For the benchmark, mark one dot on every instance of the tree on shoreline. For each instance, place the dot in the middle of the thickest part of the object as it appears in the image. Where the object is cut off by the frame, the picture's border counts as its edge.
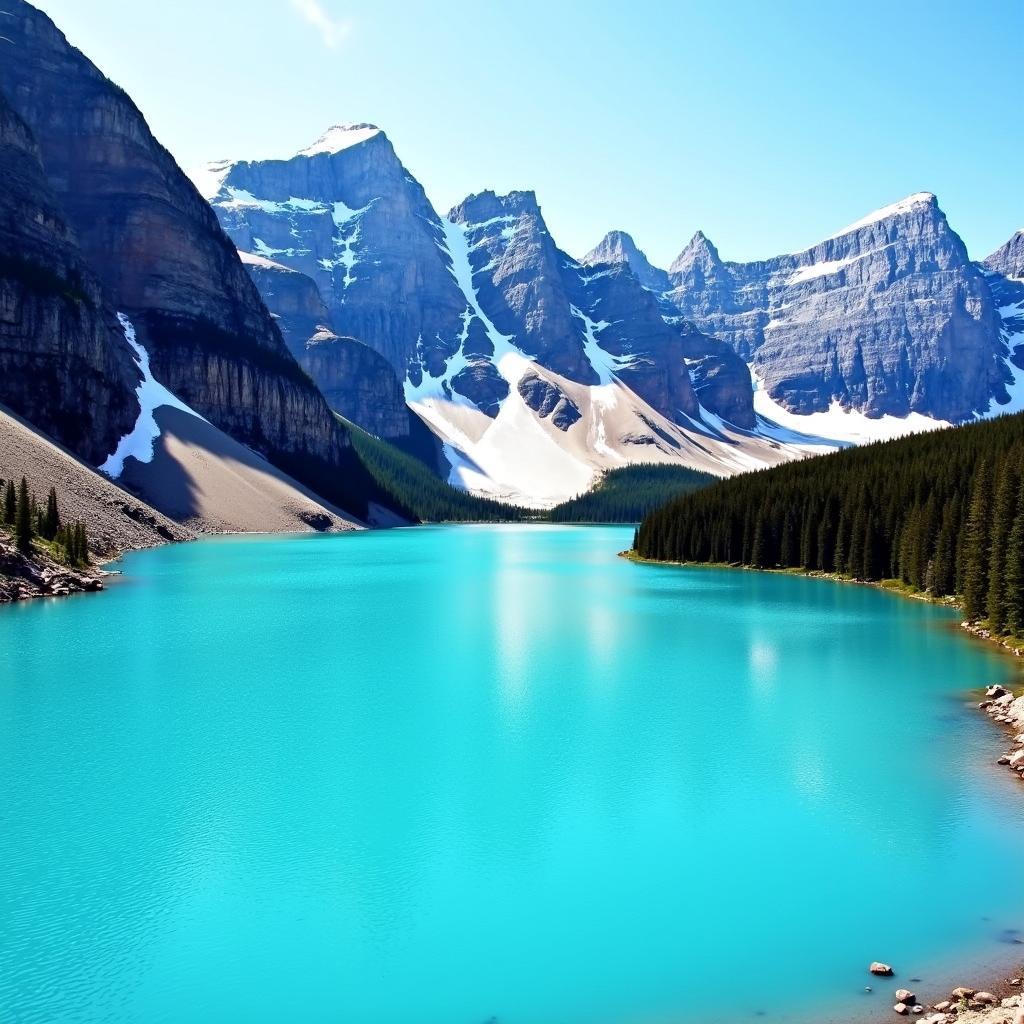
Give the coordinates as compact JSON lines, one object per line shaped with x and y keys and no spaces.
{"x":23,"y":519}
{"x":941,"y":512}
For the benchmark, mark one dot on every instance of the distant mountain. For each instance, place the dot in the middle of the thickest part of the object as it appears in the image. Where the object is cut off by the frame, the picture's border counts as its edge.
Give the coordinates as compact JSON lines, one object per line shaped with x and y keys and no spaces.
{"x":346,"y":213}
{"x":889,"y":317}
{"x":1009,"y":260}
{"x":483,"y":320}
{"x":1004,"y":272}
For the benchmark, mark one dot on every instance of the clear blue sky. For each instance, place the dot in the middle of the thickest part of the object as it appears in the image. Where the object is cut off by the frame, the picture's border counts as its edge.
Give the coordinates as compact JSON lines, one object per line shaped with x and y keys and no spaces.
{"x":768,"y":125}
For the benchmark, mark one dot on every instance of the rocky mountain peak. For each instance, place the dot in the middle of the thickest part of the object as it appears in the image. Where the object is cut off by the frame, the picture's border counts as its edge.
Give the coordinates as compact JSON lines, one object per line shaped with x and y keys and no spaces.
{"x":615,"y":247}
{"x":1009,"y":259}
{"x":488,"y":205}
{"x":619,"y":247}
{"x":917,"y":203}
{"x":699,"y":251}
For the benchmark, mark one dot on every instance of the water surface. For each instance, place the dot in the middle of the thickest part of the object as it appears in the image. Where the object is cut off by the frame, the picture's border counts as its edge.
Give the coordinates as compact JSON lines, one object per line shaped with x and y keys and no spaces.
{"x":459,"y":775}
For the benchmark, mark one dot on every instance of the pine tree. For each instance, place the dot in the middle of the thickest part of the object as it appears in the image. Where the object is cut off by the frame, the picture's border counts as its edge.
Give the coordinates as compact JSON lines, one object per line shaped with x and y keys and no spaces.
{"x":976,"y":546}
{"x":942,"y":579}
{"x":842,"y":532}
{"x":868,"y":571}
{"x":1002,"y":521}
{"x":787,"y":542}
{"x":826,"y":539}
{"x":808,"y":542}
{"x":1013,"y":574}
{"x":82,"y":543}
{"x":758,"y":545}
{"x":855,"y":555}
{"x":51,"y":519}
{"x":23,"y":519}
{"x":10,"y":503}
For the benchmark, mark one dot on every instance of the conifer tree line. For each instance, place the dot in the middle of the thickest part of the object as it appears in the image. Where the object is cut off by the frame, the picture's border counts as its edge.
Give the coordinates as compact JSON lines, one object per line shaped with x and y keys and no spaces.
{"x":29,"y":519}
{"x":628,"y":493}
{"x":943,"y":512}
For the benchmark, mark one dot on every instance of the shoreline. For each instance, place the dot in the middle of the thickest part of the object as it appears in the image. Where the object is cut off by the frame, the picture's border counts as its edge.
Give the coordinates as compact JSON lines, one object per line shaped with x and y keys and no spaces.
{"x":1006,"y":711}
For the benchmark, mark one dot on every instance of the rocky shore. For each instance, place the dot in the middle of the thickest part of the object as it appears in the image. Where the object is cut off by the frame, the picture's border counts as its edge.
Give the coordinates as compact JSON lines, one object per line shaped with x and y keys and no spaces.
{"x":965,"y":1005}
{"x":22,"y":577}
{"x":1006,"y":710}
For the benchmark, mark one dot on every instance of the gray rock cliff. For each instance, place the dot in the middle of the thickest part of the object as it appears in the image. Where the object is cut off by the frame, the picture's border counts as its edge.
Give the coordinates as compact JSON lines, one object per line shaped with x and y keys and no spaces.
{"x":162,"y":259}
{"x":889,"y":316}
{"x":64,"y":363}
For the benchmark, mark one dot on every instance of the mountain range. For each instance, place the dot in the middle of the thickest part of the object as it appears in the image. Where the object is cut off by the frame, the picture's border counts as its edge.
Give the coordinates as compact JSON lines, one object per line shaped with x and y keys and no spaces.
{"x":535,"y":369}
{"x":223,"y":336}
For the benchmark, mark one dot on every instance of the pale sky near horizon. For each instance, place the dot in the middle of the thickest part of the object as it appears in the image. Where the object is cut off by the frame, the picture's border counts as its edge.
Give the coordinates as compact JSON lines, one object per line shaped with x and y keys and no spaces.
{"x":768,"y":126}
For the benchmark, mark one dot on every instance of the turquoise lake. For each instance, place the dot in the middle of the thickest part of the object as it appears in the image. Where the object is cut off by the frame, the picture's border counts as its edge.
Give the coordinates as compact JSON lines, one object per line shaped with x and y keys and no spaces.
{"x":459,"y":775}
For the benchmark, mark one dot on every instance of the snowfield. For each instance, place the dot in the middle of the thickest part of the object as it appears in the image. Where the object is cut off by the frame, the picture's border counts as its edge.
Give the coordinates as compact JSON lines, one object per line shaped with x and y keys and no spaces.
{"x":139,"y":442}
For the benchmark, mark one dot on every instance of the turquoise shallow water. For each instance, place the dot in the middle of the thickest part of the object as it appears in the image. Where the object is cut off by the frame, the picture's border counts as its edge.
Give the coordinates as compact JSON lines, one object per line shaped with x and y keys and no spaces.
{"x":456,"y":775}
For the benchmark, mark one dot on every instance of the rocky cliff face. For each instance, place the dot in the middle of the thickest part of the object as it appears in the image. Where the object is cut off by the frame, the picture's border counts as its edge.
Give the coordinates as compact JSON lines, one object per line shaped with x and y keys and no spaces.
{"x":356,"y":380}
{"x":359,"y":383}
{"x":162,"y":258}
{"x":889,"y":316}
{"x":1004,"y":272}
{"x":346,"y":213}
{"x":292,"y":298}
{"x":721,"y":379}
{"x":517,"y":272}
{"x":1009,"y":260}
{"x":64,"y":363}
{"x":585,"y":323}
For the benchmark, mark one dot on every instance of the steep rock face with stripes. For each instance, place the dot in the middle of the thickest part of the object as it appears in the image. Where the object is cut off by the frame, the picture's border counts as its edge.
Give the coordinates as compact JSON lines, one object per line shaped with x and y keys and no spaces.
{"x":889,"y":317}
{"x":346,"y":213}
{"x":161,"y":258}
{"x":64,"y":362}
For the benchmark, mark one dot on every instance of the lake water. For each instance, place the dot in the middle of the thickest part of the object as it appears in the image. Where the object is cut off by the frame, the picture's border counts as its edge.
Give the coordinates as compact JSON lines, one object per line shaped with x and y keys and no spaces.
{"x":490,"y":774}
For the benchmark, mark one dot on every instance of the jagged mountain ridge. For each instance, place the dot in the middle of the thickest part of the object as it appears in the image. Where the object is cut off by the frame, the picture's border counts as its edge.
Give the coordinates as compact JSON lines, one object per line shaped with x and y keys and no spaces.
{"x":888,"y":317}
{"x":446,"y":299}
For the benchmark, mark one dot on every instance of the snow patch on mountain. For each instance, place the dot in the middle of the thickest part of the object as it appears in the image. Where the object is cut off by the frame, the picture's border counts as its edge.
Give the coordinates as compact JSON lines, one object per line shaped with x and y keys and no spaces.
{"x":253,"y":260}
{"x":241,"y":199}
{"x":604,"y":363}
{"x":339,"y":137}
{"x":139,"y":442}
{"x":906,"y":205}
{"x":835,"y":428}
{"x":827,"y":267}
{"x":209,"y":178}
{"x":1012,"y":316}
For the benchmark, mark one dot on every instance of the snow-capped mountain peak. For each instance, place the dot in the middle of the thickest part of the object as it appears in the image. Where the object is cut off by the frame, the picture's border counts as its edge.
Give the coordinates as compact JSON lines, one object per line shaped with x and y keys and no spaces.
{"x":909,"y":204}
{"x":339,"y":137}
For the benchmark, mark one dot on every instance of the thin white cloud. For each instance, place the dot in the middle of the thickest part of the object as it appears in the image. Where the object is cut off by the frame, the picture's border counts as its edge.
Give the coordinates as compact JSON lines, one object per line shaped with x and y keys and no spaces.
{"x":333,"y":31}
